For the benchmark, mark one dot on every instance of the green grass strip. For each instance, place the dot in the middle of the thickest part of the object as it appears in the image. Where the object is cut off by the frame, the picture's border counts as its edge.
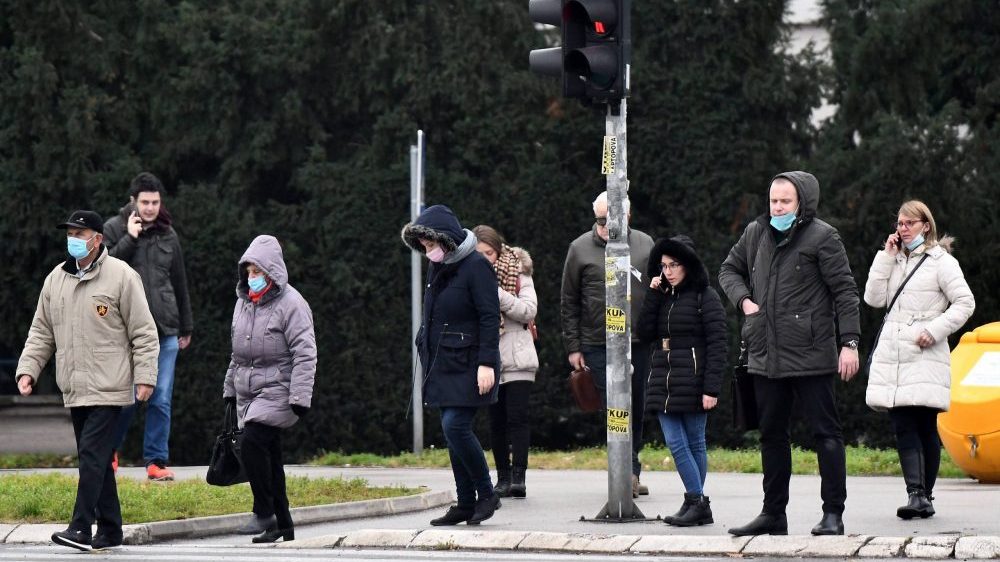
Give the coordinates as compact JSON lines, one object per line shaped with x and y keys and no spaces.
{"x":41,"y":498}
{"x":861,"y":461}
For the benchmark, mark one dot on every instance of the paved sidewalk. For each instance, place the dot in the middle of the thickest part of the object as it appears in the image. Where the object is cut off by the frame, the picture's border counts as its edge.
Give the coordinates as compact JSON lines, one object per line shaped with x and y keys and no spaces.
{"x":549,"y":519}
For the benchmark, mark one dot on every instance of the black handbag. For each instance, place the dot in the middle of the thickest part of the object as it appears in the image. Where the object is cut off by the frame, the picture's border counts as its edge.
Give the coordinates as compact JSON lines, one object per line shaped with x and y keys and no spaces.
{"x":226,"y":466}
{"x":744,"y":396}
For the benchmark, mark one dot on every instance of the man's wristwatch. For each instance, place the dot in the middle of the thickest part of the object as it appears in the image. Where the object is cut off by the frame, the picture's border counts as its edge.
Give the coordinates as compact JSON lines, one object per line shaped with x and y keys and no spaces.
{"x":851,"y":344}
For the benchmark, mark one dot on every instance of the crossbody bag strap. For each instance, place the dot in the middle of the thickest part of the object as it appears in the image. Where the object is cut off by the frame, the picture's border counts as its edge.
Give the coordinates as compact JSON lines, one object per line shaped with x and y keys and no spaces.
{"x":899,"y":291}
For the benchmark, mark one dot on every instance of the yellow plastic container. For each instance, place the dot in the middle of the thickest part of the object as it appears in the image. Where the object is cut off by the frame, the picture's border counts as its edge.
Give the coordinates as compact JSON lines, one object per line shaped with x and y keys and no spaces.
{"x":970,"y":431}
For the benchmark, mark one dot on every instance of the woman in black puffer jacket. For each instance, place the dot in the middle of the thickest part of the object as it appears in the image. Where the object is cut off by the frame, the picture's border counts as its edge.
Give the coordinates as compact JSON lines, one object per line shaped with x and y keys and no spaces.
{"x":684,"y":319}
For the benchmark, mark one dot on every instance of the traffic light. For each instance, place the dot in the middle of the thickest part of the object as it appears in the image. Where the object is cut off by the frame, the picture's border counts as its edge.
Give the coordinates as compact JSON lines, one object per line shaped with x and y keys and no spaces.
{"x":594,"y":58}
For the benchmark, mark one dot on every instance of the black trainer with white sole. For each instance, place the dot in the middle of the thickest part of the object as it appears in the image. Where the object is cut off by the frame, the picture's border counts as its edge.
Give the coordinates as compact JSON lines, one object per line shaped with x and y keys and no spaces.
{"x":73,"y":539}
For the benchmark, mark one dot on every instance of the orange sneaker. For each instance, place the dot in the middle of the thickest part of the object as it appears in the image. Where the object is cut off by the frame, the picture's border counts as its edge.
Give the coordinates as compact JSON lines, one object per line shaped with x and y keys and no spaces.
{"x":159,"y":472}
{"x":114,"y":461}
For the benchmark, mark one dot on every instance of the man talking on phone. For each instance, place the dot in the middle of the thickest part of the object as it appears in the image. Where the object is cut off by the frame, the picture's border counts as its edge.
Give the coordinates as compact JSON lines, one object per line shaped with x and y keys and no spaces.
{"x":143,"y":236}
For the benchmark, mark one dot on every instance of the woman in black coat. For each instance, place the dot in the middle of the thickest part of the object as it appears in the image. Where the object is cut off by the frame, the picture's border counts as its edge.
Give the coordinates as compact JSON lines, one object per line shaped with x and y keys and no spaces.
{"x":459,"y":347}
{"x":684,"y":318}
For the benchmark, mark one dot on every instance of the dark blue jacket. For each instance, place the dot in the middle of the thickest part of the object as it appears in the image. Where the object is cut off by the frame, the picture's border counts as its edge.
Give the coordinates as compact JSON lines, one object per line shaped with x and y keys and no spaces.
{"x":461,"y":324}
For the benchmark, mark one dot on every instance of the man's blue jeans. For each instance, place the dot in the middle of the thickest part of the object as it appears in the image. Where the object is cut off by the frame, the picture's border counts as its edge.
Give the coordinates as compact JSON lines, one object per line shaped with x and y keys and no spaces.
{"x":468,"y":462}
{"x":157,"y":434}
{"x":685,"y":436}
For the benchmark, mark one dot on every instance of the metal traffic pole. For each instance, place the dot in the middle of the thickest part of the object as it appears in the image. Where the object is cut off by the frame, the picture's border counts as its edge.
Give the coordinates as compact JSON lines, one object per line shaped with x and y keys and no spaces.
{"x":416,"y":293}
{"x":618,"y":329}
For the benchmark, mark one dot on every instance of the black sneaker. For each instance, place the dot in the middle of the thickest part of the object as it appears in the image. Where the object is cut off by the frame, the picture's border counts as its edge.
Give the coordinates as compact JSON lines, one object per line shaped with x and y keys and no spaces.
{"x":104,"y":541}
{"x":73,"y":539}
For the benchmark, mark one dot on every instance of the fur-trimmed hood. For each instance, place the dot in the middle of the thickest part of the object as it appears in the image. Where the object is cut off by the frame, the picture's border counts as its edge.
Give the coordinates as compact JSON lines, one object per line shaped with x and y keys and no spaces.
{"x":527,"y":266}
{"x":437,"y":223}
{"x":681,"y":248}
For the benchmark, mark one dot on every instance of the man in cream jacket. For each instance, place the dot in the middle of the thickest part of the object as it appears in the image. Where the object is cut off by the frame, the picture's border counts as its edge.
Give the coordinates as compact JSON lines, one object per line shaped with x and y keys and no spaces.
{"x":92,"y":314}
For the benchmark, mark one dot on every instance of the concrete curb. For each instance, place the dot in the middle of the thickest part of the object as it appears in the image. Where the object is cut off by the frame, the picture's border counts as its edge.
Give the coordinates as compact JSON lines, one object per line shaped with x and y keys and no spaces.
{"x":147,"y":533}
{"x":797,"y":546}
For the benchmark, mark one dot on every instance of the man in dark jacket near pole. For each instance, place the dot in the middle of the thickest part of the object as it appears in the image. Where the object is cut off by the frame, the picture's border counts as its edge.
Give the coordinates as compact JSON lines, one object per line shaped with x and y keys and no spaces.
{"x":142,"y":235}
{"x":582,"y":313}
{"x":790,"y":276}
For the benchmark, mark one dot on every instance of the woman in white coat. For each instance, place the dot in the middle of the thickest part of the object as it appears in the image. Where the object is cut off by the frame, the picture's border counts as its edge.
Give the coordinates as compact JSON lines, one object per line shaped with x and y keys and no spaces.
{"x":910,"y":374}
{"x":510,"y":430}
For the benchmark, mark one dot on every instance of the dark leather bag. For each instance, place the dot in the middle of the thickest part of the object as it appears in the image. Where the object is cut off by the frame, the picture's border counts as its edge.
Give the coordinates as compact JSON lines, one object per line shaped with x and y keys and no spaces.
{"x":226,"y":466}
{"x":584,"y":391}
{"x":744,"y":396}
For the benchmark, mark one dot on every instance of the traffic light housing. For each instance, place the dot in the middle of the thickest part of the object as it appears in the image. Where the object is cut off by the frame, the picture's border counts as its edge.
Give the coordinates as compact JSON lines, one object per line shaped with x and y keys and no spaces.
{"x":596,"y":50}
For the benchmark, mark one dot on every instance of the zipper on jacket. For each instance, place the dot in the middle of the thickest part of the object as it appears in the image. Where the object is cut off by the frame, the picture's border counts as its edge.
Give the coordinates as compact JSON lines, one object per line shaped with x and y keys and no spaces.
{"x":666,"y":383}
{"x":694,"y":355}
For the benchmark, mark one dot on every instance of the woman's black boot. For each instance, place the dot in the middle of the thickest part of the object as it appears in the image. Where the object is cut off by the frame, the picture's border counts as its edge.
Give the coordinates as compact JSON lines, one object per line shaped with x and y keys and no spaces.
{"x":517,"y":486}
{"x":699,"y":512}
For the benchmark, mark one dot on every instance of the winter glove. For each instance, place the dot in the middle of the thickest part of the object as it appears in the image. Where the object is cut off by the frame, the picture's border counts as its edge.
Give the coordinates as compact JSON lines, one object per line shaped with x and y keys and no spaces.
{"x":300,"y":411}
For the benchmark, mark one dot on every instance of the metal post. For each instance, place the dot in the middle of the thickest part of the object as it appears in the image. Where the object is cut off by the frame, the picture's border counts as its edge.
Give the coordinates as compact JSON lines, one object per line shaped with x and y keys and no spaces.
{"x":618,"y":266}
{"x":416,"y":294}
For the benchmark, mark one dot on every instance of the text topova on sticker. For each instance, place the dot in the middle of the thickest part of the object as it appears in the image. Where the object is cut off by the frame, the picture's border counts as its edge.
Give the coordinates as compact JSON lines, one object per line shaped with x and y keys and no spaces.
{"x":614,"y":319}
{"x":610,"y":155}
{"x":618,"y":421}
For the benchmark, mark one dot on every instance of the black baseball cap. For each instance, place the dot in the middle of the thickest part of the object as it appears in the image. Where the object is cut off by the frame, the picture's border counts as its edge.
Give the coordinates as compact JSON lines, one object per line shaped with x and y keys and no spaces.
{"x":84,"y":219}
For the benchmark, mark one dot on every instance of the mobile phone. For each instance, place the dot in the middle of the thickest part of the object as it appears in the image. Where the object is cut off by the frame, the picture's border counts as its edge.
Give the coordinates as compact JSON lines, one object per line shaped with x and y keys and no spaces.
{"x":899,"y":243}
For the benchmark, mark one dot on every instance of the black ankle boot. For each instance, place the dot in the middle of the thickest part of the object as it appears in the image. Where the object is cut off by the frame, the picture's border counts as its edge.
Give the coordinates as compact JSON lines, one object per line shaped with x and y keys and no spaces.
{"x":763,"y":524}
{"x":917,"y":506}
{"x":257,"y":524}
{"x":485,"y":508}
{"x":699,"y":512}
{"x":668,"y":519}
{"x":830,"y":524}
{"x":456,"y":514}
{"x":517,"y":486}
{"x":502,"y":489}
{"x":272,"y":535}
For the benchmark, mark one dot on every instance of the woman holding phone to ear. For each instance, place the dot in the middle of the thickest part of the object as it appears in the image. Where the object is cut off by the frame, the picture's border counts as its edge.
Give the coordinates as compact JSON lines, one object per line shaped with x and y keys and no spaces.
{"x":910,"y":374}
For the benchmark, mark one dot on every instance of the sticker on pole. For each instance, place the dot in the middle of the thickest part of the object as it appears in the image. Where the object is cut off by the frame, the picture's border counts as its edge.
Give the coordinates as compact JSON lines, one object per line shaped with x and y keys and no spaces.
{"x":618,"y":421}
{"x":610,"y":270}
{"x":614,"y":319}
{"x":610,"y":155}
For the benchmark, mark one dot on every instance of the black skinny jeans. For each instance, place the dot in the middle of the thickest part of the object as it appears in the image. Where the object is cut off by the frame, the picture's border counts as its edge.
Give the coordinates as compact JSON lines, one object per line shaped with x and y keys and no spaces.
{"x":774,"y":409}
{"x":261,"y":452}
{"x":916,"y":428}
{"x":510,"y":432}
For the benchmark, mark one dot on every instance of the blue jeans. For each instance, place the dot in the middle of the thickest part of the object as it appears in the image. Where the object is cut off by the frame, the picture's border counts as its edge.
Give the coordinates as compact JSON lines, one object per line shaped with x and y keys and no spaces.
{"x":596,"y":357}
{"x":468,"y":462}
{"x":685,"y":435}
{"x":154,"y":442}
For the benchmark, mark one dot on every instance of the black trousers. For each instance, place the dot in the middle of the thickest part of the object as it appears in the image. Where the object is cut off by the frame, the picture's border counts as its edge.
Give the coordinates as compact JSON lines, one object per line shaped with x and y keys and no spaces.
{"x":774,"y":408}
{"x":97,"y":492}
{"x":261,"y":452}
{"x":916,"y":428}
{"x":510,"y":432}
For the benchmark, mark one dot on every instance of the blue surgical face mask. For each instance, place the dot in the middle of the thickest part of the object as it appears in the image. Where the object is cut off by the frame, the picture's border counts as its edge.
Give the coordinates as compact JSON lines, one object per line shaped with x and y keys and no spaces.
{"x":783,"y":222}
{"x":77,"y":247}
{"x":257,"y":284}
{"x":915,"y":243}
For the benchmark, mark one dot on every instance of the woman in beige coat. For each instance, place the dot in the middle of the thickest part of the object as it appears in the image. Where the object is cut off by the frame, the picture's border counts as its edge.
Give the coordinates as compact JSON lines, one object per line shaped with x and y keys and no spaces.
{"x":510,"y":431}
{"x":910,"y":374}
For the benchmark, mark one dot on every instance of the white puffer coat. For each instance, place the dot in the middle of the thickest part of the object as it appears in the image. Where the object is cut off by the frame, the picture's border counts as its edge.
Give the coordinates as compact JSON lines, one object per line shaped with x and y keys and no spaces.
{"x":518,"y":358}
{"x":936,"y":299}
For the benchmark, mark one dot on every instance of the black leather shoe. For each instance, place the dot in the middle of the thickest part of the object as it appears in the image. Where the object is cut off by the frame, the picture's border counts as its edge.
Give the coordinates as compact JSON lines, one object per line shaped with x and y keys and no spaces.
{"x":917,"y":506}
{"x":485,"y":508}
{"x":257,"y":525}
{"x":830,"y":524}
{"x":763,"y":524}
{"x":272,"y":535}
{"x":73,"y":539}
{"x":454,"y":516}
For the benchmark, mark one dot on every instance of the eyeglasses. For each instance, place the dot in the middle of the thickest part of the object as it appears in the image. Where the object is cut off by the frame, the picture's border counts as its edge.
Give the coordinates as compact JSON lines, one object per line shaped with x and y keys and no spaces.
{"x":601,"y":221}
{"x":905,"y":224}
{"x":672,"y":266}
